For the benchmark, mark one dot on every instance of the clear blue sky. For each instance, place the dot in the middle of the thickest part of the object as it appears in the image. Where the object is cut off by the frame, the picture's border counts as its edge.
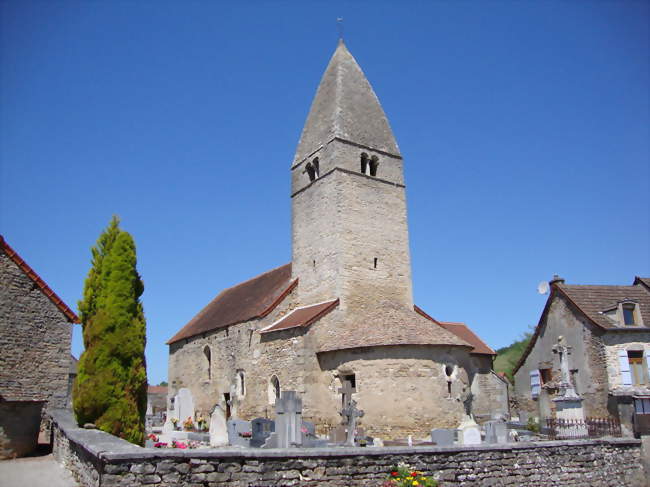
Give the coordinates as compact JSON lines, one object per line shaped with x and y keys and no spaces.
{"x":524,"y":128}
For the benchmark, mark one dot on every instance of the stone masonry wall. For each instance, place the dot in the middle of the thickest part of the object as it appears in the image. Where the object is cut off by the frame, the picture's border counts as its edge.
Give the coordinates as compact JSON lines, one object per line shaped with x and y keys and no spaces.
{"x":587,"y":358}
{"x":35,"y":341}
{"x":97,"y":459}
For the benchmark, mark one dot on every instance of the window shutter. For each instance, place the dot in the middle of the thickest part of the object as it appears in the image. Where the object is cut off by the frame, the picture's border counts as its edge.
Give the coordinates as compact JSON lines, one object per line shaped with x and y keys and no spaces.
{"x":534,"y":383}
{"x":647,"y":364}
{"x":624,"y":362}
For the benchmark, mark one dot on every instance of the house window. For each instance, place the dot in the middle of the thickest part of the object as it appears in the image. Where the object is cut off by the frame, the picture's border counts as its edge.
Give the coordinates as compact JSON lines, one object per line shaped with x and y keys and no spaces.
{"x":534,"y":383}
{"x":635,"y":359}
{"x":628,"y":315}
{"x":642,"y":405}
{"x":545,"y":375}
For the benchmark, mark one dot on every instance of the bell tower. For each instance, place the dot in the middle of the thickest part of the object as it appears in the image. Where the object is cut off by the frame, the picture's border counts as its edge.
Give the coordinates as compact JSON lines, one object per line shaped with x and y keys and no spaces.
{"x":349,"y":223}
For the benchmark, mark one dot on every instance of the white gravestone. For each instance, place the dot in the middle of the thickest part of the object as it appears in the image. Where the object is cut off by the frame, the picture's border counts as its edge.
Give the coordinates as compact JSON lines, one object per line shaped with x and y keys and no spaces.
{"x":218,"y":427}
{"x":469,"y":433}
{"x":184,"y":405}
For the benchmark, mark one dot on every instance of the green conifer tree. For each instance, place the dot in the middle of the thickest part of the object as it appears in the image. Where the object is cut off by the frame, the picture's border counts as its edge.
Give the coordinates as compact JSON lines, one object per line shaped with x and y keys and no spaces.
{"x":111,"y":385}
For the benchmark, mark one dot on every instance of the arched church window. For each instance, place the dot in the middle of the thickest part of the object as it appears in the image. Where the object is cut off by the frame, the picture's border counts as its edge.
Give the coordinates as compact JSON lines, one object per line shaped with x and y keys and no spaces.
{"x":274,"y":389}
{"x":364,"y":163}
{"x":316,"y":164}
{"x":208,"y":358}
{"x":374,"y":164}
{"x":311,"y":171}
{"x":241,"y":384}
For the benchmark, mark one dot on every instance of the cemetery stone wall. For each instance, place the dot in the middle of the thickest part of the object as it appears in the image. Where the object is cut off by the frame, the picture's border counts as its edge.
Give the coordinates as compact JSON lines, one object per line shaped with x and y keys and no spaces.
{"x":98,"y":459}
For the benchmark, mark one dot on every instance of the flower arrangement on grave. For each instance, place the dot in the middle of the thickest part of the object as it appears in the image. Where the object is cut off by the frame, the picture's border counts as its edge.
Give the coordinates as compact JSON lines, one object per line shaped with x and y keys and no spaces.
{"x":202,"y":423}
{"x":245,"y":434}
{"x":403,"y":475}
{"x":188,"y":424}
{"x":152,"y":437}
{"x":174,"y":422}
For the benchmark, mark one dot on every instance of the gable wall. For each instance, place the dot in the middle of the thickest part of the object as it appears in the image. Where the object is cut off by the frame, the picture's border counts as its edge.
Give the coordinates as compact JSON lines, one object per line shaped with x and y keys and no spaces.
{"x":35,"y":339}
{"x":588,"y":356}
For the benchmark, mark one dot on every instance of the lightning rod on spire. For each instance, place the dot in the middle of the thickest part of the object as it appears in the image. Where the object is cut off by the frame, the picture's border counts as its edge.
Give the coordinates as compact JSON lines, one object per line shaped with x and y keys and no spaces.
{"x":339,"y":21}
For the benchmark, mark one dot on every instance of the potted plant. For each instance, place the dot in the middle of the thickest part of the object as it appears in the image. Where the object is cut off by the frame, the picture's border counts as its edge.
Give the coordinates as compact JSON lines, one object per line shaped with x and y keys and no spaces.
{"x":188,"y":424}
{"x":174,"y":422}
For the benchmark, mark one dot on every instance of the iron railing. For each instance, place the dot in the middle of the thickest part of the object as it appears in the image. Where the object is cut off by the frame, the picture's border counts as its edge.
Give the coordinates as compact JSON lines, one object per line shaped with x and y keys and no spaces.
{"x":582,"y":428}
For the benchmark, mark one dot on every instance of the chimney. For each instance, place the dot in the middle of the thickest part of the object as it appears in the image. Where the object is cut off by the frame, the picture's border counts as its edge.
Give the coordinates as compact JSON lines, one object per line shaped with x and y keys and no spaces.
{"x":556,"y":280}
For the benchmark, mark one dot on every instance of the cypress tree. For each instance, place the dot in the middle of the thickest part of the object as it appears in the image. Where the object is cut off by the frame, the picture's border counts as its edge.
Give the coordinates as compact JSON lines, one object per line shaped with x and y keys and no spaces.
{"x":111,"y":385}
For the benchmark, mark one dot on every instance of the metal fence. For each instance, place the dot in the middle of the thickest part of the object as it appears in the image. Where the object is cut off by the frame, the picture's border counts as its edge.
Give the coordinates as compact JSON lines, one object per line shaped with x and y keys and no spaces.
{"x":582,"y":428}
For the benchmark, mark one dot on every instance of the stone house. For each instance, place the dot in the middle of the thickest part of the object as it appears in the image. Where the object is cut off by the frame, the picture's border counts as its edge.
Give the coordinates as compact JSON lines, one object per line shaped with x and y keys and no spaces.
{"x":156,"y":400}
{"x":608,"y":330}
{"x":341,"y":314}
{"x":35,"y":360}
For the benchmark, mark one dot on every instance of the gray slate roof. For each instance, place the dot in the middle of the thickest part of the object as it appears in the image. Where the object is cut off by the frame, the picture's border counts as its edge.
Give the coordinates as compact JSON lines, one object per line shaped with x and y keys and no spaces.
{"x":345,"y":106}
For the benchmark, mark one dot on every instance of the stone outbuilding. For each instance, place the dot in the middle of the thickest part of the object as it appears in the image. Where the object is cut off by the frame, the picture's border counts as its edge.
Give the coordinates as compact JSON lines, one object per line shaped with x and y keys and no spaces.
{"x":608,"y":331}
{"x":35,"y":360}
{"x":341,"y":314}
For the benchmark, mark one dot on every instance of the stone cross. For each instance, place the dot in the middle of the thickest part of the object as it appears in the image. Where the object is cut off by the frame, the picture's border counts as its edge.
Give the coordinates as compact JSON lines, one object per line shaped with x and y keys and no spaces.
{"x":563,"y":350}
{"x":288,"y":419}
{"x":351,"y":413}
{"x":347,"y":390}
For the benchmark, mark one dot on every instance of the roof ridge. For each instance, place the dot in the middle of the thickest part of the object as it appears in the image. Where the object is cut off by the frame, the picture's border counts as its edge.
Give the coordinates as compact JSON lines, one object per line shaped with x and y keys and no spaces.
{"x":42,"y":285}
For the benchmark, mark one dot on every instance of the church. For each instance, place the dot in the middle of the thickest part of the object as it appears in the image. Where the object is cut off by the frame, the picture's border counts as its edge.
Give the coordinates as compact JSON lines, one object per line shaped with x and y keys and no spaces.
{"x":339,"y":318}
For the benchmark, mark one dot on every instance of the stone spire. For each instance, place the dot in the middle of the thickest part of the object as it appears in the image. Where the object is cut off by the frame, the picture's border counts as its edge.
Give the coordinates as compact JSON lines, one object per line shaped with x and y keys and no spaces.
{"x":345,"y":107}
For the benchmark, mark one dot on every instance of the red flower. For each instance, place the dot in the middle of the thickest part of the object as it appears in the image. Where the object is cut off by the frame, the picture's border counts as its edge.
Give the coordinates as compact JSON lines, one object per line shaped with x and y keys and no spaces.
{"x":394,"y":474}
{"x":414,"y":474}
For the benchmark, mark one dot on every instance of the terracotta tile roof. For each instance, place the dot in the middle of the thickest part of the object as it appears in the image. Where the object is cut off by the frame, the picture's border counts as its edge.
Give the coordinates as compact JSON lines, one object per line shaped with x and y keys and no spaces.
{"x":157,"y":390}
{"x":593,"y":300}
{"x":388,"y":324}
{"x":249,"y":300}
{"x":303,"y":316}
{"x":462,"y":331}
{"x":31,"y":273}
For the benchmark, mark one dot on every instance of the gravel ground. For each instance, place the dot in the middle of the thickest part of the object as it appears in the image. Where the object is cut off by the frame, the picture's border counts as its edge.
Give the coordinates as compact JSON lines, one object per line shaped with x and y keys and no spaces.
{"x":39,"y":471}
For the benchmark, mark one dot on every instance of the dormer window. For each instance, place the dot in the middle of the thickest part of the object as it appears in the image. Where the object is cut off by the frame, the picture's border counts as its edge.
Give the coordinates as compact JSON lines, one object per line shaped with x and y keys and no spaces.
{"x":628,"y":314}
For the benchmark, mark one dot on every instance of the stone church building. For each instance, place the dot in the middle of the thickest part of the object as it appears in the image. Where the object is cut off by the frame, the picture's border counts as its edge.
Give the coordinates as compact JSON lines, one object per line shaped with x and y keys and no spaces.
{"x":341,"y":314}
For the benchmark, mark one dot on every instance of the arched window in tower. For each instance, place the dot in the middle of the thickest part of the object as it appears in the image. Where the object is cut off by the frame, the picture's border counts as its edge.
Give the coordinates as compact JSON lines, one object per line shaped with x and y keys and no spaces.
{"x":364,"y":163}
{"x":315,"y":164}
{"x":374,"y":163}
{"x":311,"y":172}
{"x":274,"y":389}
{"x":208,"y":358}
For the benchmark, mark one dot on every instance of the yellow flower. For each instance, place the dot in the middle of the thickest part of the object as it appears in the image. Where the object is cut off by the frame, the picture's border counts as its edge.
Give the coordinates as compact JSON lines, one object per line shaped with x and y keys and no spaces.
{"x":415,"y":482}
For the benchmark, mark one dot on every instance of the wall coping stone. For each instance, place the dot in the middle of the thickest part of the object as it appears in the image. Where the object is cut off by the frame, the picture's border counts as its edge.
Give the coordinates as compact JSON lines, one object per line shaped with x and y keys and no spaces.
{"x":112,"y":449}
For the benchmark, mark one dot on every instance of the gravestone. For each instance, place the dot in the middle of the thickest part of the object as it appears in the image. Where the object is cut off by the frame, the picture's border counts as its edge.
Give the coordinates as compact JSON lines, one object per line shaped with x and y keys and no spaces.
{"x":309,"y":438}
{"x":262,"y":429}
{"x":496,"y":432}
{"x":218,"y":427}
{"x":443,"y":436}
{"x":239,"y":432}
{"x":338,"y":434}
{"x":288,"y":422}
{"x":469,"y":433}
{"x":184,"y":405}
